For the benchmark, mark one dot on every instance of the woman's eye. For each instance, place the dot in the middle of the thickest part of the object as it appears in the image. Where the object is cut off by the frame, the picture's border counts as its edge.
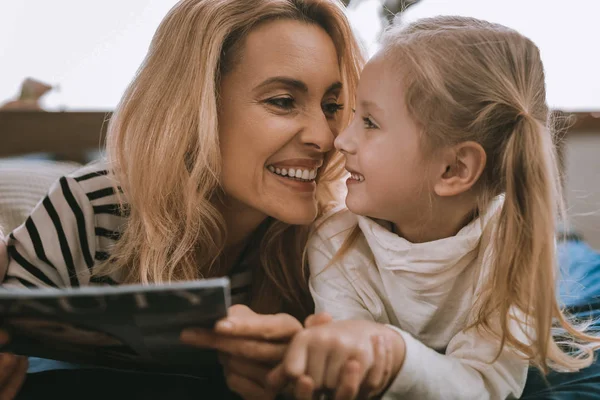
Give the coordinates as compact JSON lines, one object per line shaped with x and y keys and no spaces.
{"x":284,"y":103}
{"x":331,"y":109}
{"x":368,"y":123}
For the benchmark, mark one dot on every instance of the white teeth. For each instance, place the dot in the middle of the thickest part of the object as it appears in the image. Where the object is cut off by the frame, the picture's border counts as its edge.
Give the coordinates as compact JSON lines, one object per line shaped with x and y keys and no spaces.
{"x":357,"y":177}
{"x":297,"y":173}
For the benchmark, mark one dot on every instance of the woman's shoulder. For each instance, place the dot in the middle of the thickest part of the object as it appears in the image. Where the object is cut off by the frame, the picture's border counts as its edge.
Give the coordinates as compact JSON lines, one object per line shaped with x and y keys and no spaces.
{"x":93,"y":176}
{"x":95,"y":191}
{"x":96,"y":185}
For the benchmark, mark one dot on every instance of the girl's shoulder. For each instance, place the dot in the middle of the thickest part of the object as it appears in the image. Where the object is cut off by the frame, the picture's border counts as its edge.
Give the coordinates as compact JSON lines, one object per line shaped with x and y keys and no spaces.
{"x":334,"y":226}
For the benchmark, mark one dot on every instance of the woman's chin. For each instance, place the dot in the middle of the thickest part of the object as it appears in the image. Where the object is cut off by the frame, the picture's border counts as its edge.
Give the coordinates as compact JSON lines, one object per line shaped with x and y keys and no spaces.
{"x":297,"y":214}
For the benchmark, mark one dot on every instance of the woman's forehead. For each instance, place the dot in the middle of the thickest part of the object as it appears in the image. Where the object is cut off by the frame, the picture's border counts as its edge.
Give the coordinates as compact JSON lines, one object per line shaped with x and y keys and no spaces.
{"x":294,"y":49}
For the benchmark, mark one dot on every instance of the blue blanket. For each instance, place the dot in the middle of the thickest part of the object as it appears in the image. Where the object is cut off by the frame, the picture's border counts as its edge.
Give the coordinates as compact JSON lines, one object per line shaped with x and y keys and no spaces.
{"x":579,"y":291}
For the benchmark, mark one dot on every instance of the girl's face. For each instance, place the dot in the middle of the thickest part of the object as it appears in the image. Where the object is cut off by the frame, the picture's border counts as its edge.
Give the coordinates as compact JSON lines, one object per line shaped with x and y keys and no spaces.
{"x":382,"y":147}
{"x":278,"y":119}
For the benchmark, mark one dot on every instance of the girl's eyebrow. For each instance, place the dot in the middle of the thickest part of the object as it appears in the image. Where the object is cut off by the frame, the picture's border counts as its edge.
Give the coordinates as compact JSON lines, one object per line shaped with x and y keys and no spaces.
{"x":370,"y":104}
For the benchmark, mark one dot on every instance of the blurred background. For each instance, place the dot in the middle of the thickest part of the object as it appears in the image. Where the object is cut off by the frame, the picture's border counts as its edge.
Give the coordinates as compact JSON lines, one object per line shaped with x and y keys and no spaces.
{"x":80,"y":56}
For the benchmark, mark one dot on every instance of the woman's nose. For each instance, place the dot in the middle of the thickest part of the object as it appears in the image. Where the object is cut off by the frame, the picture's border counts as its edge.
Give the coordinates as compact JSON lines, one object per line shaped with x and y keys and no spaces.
{"x":318,"y":134}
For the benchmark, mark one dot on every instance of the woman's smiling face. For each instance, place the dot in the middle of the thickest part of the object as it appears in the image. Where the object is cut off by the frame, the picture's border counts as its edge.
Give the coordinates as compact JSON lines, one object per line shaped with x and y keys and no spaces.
{"x":278,"y":119}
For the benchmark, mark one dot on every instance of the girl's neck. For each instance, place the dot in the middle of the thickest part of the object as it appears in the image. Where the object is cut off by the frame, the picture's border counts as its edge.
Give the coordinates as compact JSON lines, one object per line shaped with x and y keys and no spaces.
{"x":444,"y":219}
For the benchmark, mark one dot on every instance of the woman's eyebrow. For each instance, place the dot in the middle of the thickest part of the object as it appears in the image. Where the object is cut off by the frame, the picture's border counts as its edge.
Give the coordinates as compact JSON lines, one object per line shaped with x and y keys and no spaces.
{"x":294,"y":84}
{"x":334,"y":87}
{"x":285,"y":81}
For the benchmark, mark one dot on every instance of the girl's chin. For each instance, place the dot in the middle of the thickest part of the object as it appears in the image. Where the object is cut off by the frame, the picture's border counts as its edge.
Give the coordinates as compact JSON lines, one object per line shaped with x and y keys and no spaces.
{"x":356,"y":206}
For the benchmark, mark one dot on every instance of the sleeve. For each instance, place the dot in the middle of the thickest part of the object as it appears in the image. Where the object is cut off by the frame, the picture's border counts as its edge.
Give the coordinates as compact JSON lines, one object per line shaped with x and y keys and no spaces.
{"x":465,"y":371}
{"x":54,"y":246}
{"x":330,"y":286}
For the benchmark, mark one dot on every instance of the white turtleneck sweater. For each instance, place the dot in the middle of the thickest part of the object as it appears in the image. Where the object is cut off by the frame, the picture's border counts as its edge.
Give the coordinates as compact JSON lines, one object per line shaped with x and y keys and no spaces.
{"x":425,"y":292}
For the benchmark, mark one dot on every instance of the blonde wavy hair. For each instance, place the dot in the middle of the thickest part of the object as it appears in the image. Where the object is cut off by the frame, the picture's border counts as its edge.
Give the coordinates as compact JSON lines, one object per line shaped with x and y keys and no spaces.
{"x":471,"y":80}
{"x":163,"y":146}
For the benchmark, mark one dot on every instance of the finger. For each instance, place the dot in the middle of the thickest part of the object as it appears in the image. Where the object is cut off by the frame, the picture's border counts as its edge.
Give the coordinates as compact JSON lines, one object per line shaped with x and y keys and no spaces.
{"x":15,"y":381}
{"x":389,"y":367}
{"x":317,"y":319}
{"x":248,"y":389}
{"x":257,"y":350}
{"x":277,"y":379}
{"x":8,"y":363}
{"x":244,"y":322}
{"x":334,"y":371}
{"x":315,"y":365}
{"x":305,"y":388}
{"x":375,"y":375}
{"x":350,"y":381}
{"x":295,"y":361}
{"x":249,"y":369}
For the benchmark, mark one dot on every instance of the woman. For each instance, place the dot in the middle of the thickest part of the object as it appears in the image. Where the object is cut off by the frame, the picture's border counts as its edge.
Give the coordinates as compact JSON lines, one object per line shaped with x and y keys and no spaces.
{"x":220,"y":155}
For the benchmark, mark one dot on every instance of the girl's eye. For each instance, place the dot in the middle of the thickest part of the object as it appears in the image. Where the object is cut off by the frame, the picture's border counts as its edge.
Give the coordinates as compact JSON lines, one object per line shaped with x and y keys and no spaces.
{"x":284,"y":103}
{"x":369,"y":124}
{"x":331,"y":109}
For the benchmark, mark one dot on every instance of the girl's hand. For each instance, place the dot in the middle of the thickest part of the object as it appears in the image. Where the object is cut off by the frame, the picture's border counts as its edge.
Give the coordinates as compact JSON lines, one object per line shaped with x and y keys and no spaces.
{"x":351,"y":358}
{"x":249,"y":345}
{"x":13,"y":370}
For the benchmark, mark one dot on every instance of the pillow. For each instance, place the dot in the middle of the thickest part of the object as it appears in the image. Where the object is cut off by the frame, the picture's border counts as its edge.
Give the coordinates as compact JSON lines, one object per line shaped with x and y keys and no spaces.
{"x":23,"y":183}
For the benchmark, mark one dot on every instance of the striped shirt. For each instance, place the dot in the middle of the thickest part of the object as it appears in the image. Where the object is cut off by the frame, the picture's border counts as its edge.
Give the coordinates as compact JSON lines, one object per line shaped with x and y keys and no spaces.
{"x":72,"y":230}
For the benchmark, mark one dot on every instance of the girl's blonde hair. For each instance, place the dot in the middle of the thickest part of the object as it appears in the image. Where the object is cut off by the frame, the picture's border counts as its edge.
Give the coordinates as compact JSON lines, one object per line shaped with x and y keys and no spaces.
{"x":471,"y":80}
{"x":163,"y":146}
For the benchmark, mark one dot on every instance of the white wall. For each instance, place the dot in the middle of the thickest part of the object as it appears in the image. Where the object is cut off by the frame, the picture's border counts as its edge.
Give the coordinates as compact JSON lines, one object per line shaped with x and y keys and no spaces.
{"x":91,"y":48}
{"x":582,"y":162}
{"x":567,"y":33}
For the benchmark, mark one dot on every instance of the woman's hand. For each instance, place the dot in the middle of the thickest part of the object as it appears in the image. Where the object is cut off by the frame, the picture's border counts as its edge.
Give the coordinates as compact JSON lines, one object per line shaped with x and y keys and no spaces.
{"x":353,"y":359}
{"x":244,"y":333}
{"x":13,"y":370}
{"x":249,"y":346}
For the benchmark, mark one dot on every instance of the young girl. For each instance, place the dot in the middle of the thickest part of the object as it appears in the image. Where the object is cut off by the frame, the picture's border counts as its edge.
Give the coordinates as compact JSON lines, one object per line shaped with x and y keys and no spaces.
{"x":445,"y":261}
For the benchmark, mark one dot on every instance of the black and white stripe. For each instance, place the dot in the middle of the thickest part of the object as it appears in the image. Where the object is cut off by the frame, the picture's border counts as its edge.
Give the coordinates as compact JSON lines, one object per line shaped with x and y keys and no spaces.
{"x":73,"y":229}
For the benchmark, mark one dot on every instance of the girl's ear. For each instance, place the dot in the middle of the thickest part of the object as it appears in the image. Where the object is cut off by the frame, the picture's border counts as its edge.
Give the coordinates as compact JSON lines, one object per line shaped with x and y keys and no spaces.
{"x":460,"y":168}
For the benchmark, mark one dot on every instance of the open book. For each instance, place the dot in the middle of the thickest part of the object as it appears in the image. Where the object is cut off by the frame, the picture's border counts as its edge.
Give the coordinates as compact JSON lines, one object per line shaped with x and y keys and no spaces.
{"x":132,"y":327}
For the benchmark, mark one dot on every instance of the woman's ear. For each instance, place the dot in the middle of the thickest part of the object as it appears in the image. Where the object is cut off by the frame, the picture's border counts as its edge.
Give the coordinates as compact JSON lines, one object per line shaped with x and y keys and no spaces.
{"x":460,"y":168}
